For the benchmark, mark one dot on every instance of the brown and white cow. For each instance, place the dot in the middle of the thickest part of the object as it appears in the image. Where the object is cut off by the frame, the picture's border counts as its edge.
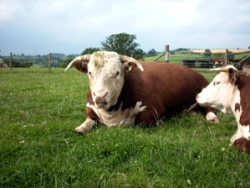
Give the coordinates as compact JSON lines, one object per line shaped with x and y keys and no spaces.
{"x":124,"y":91}
{"x":230,"y":92}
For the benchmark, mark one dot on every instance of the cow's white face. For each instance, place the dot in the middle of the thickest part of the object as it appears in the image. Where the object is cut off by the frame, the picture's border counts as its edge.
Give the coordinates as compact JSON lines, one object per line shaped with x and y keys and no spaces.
{"x":220,"y":93}
{"x":106,"y":72}
{"x":106,"y":78}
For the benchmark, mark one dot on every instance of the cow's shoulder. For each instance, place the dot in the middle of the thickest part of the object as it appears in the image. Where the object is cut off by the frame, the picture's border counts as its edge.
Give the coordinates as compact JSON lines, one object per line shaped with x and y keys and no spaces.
{"x":243,"y":85}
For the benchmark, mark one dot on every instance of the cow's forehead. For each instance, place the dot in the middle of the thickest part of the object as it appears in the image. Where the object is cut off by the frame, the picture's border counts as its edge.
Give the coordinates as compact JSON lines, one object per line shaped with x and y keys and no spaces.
{"x":222,"y":77}
{"x":106,"y":60}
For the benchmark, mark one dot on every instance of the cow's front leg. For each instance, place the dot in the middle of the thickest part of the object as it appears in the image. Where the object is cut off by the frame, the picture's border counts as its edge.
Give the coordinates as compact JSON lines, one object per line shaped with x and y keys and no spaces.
{"x":86,"y":126}
{"x":211,"y":117}
{"x":236,"y":136}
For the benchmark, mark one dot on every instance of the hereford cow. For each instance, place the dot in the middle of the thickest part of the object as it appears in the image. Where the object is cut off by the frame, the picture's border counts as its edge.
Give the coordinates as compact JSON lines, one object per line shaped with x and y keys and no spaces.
{"x":124,"y":91}
{"x":230,"y":92}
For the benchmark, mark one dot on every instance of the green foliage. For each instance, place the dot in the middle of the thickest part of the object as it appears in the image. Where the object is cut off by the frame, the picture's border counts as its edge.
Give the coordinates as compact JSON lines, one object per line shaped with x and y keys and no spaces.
{"x":65,"y":63}
{"x":208,"y":53}
{"x":39,"y":110}
{"x":123,"y":44}
{"x":90,"y":50}
{"x":17,"y":63}
{"x":151,"y":53}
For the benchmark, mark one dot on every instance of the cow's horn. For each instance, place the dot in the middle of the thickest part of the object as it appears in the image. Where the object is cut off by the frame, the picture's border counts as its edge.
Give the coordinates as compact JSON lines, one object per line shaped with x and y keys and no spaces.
{"x":224,"y":69}
{"x":124,"y":59}
{"x":219,"y":69}
{"x":78,"y":60}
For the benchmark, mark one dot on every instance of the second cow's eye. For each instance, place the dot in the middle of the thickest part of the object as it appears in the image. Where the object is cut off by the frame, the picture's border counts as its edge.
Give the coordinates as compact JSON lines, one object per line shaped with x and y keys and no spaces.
{"x":117,"y":73}
{"x":216,"y":83}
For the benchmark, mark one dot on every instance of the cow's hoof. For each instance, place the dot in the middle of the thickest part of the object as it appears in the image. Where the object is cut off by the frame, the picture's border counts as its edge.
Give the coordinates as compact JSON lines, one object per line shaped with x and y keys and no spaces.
{"x":81,"y":130}
{"x":215,"y":120}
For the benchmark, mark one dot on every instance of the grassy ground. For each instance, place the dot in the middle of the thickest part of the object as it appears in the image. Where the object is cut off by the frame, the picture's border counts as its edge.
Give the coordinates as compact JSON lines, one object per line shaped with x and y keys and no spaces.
{"x":39,"y":110}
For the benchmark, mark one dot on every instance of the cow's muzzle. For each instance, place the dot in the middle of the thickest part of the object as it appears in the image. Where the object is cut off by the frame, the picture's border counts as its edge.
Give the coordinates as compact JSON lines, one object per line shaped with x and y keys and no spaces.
{"x":100,"y":98}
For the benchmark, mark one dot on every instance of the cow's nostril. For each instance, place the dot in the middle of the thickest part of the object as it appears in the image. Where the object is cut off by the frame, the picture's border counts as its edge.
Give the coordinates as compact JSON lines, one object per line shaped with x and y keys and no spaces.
{"x":100,"y":94}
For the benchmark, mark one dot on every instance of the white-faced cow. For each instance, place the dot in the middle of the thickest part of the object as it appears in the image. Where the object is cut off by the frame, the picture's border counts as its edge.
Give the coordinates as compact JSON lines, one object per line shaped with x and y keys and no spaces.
{"x":124,"y":91}
{"x":230,"y":92}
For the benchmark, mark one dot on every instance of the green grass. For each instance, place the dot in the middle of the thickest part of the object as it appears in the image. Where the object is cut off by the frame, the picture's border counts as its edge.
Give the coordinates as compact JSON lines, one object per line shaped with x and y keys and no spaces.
{"x":39,"y":110}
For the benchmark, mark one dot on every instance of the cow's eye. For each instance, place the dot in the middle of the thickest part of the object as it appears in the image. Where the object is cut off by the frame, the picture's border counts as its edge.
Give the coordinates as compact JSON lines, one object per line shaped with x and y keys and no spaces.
{"x":117,"y":73}
{"x":90,"y":74}
{"x":216,"y":83}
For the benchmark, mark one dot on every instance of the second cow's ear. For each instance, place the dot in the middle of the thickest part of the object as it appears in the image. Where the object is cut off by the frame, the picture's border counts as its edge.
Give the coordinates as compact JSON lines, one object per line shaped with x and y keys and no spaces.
{"x":232,"y":77}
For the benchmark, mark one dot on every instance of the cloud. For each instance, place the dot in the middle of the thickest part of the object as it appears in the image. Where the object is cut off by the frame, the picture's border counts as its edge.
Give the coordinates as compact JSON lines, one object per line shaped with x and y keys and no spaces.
{"x":71,"y":26}
{"x":8,"y":9}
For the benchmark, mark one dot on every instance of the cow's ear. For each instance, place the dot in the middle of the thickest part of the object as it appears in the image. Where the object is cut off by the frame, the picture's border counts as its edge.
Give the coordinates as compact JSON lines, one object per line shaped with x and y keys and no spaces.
{"x":230,"y":70}
{"x":231,"y":73}
{"x":80,"y":63}
{"x":82,"y":66}
{"x":129,"y":63}
{"x":128,"y":66}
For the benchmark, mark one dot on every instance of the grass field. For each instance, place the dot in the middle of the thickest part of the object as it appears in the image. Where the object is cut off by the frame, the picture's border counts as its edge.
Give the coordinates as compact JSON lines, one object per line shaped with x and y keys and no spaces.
{"x":39,"y":110}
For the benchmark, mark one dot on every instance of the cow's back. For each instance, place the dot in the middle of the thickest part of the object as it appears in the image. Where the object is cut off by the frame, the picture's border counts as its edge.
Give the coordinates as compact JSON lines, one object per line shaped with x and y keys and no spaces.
{"x":164,"y":88}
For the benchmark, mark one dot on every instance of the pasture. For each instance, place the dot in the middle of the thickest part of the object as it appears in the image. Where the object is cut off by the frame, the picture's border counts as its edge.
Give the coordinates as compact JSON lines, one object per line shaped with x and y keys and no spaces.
{"x":39,"y":110}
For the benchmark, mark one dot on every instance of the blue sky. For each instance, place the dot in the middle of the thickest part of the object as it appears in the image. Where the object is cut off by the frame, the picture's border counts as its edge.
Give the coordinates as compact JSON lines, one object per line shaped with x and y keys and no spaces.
{"x":70,"y":26}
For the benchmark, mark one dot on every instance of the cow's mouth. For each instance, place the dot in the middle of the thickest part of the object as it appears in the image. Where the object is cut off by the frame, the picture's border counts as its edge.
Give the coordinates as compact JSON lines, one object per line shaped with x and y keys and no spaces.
{"x":101,"y":104}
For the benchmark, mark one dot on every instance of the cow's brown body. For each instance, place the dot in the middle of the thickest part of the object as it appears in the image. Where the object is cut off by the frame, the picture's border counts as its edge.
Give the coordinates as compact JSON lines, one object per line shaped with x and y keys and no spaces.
{"x":165,"y":89}
{"x":124,"y":91}
{"x":243,"y":83}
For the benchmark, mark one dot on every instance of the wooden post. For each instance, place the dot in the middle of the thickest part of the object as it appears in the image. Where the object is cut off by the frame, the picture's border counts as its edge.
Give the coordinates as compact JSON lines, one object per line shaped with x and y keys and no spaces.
{"x":49,"y":60}
{"x":167,"y":53}
{"x":226,"y":58}
{"x":11,"y":61}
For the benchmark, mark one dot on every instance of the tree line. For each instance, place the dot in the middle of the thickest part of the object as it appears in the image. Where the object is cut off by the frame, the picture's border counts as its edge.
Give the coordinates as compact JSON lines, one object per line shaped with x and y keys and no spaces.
{"x":121,"y":43}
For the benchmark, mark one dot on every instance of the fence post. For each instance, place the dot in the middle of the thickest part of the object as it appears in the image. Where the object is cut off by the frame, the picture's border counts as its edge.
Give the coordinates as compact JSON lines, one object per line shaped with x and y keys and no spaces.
{"x":11,"y":61}
{"x":226,"y":58}
{"x":167,"y":53}
{"x":49,"y":60}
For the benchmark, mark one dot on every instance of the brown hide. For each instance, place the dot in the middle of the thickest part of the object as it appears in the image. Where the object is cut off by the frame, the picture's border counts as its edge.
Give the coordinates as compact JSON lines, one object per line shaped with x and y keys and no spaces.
{"x":164,"y":88}
{"x":243,"y":83}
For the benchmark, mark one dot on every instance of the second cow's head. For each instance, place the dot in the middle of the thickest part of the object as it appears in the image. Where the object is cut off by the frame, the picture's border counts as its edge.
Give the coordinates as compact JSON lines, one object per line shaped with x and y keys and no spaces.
{"x":106,"y":72}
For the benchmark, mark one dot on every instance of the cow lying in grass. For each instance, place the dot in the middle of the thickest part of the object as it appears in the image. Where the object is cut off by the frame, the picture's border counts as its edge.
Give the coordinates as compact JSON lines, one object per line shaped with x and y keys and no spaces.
{"x":124,"y":91}
{"x":230,"y":92}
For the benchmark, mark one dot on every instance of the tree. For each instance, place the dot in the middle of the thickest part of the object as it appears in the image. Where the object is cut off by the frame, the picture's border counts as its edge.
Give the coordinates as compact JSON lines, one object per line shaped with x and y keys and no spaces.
{"x":151,"y":53}
{"x":90,"y":50}
{"x":65,"y":63}
{"x":207,"y":53}
{"x":123,"y":44}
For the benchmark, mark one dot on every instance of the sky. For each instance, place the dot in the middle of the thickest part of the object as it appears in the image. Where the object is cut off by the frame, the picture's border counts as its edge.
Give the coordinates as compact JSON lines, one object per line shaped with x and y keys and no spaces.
{"x":33,"y":27}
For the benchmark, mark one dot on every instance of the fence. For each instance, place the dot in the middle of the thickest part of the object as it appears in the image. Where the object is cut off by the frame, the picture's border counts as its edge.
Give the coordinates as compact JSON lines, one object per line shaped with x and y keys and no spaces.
{"x":202,"y":59}
{"x":17,"y":61}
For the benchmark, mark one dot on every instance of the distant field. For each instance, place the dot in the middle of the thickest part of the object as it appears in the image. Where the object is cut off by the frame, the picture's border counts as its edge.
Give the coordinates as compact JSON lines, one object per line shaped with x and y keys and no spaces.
{"x":222,"y":50}
{"x":39,"y":110}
